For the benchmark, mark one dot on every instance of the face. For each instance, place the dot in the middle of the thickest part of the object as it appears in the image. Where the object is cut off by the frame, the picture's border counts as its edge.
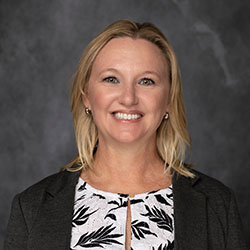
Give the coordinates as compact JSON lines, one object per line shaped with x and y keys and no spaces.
{"x":128,"y":91}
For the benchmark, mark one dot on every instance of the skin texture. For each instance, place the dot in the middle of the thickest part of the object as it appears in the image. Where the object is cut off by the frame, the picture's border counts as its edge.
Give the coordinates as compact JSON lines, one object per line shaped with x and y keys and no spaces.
{"x":126,"y":62}
{"x":128,"y":76}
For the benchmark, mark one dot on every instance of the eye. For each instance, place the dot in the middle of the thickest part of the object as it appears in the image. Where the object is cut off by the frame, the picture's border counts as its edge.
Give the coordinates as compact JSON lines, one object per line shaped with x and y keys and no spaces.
{"x":111,"y":79}
{"x":146,"y":82}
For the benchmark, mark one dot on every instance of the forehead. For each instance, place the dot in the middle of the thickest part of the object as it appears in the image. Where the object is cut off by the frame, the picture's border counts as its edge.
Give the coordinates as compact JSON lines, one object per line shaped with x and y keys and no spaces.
{"x":126,"y":51}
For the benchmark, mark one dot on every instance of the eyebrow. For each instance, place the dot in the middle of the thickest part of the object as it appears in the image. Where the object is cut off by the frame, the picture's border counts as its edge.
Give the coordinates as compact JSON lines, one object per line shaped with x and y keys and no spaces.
{"x":152,"y":73}
{"x":109,"y":69}
{"x":144,"y":72}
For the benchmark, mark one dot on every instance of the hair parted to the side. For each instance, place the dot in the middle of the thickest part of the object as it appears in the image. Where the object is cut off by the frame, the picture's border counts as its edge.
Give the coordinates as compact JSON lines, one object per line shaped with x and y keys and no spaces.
{"x":172,"y":135}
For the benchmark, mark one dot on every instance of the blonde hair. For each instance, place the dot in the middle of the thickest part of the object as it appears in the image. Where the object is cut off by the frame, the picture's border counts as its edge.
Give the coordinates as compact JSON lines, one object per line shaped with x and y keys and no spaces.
{"x":172,"y":137}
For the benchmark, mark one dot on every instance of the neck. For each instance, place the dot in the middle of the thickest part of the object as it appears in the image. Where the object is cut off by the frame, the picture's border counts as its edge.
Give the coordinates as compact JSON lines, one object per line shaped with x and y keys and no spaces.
{"x":127,"y":168}
{"x":137,"y":161}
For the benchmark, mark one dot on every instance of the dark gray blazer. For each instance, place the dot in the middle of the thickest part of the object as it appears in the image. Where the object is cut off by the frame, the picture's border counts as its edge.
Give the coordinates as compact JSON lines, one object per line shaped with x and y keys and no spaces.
{"x":205,"y":215}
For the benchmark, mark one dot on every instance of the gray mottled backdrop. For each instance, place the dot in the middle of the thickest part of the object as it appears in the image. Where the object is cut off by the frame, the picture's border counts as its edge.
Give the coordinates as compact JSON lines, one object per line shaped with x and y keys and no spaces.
{"x":41,"y":42}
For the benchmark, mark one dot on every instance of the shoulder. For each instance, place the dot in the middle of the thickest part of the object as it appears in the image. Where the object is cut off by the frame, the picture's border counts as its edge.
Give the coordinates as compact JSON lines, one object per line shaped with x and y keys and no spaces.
{"x":49,"y":186}
{"x":28,"y":205}
{"x":39,"y":187}
{"x":222,"y":208}
{"x":217,"y":193}
{"x":218,"y":199}
{"x":209,"y":185}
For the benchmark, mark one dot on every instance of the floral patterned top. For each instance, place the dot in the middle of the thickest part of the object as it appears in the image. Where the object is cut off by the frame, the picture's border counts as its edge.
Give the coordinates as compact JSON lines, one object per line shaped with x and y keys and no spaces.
{"x":99,"y":219}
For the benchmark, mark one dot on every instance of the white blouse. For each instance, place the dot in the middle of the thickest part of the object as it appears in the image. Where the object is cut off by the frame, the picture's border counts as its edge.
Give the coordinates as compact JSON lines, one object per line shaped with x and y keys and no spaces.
{"x":99,"y":219}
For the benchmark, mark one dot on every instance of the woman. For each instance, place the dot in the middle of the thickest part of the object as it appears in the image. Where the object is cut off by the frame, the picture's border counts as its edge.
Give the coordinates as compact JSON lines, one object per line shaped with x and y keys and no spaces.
{"x":129,"y":187}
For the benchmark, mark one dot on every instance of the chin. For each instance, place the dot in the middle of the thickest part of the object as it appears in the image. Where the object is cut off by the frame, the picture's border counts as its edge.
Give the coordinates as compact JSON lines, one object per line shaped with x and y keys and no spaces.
{"x":128,"y":138}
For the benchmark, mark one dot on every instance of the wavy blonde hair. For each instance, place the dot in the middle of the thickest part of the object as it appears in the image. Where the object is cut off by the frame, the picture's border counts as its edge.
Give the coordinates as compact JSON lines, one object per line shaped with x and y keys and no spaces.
{"x":172,"y":135}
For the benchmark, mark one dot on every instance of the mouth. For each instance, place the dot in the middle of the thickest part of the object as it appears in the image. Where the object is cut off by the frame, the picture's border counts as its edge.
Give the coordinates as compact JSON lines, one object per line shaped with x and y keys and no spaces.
{"x":126,"y":116}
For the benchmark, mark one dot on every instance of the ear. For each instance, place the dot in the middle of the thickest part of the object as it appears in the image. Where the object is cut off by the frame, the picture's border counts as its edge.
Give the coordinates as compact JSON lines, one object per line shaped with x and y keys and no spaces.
{"x":85,"y":100}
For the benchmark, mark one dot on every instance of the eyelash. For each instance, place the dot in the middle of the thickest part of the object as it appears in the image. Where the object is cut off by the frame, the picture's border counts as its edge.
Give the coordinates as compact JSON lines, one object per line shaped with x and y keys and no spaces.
{"x":111,"y":79}
{"x":144,"y":81}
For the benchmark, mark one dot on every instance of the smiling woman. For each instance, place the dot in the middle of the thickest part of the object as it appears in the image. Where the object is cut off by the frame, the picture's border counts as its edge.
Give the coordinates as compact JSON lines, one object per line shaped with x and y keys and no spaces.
{"x":128,"y":53}
{"x":129,"y":187}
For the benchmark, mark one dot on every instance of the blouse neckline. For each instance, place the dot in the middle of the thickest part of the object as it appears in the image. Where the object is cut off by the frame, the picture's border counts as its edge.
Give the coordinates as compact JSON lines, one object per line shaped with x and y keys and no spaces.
{"x":82,"y":183}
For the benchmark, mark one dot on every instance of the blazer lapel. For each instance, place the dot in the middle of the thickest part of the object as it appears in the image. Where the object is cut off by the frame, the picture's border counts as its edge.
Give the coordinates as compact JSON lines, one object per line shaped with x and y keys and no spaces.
{"x":189,"y":215}
{"x":52,"y":229}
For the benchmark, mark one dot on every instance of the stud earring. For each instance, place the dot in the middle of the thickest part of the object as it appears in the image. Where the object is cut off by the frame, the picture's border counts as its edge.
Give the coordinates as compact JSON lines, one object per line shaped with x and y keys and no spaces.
{"x":87,"y":111}
{"x":166,"y":116}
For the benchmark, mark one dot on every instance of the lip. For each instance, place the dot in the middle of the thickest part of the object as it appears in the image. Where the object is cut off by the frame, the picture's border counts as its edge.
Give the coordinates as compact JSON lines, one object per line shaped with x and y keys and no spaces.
{"x":136,"y":112}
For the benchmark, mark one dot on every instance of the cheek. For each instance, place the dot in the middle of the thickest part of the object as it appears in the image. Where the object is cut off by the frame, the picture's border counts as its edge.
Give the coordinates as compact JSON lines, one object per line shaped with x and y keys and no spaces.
{"x":165,"y":99}
{"x":100,"y":100}
{"x":159,"y":102}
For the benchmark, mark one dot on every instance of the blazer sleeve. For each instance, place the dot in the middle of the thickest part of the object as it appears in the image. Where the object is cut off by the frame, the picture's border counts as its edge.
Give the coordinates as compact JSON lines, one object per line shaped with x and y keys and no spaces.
{"x":235,"y":234}
{"x":17,"y":231}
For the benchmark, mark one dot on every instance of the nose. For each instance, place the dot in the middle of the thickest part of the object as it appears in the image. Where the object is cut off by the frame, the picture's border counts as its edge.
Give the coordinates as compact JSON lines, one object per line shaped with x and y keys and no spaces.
{"x":128,"y":95}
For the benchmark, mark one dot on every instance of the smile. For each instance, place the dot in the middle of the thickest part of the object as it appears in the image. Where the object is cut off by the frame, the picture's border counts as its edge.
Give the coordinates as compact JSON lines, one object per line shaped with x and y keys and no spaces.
{"x":124,"y":116}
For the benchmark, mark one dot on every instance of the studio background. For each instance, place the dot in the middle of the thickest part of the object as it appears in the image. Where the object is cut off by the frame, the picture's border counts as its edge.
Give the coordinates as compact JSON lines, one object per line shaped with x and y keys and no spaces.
{"x":41,"y":43}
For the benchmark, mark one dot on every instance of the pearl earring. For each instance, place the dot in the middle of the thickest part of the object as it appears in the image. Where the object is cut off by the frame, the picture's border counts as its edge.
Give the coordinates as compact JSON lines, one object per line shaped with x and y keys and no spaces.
{"x":166,"y":116}
{"x":87,"y":111}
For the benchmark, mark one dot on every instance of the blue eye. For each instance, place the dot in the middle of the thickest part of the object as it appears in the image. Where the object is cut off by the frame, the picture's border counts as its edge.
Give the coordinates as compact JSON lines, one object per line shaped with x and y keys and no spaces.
{"x":111,"y":79}
{"x":146,"y":82}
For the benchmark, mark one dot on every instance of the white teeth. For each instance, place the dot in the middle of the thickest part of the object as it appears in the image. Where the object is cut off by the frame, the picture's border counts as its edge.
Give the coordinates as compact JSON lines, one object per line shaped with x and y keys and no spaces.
{"x":127,"y":116}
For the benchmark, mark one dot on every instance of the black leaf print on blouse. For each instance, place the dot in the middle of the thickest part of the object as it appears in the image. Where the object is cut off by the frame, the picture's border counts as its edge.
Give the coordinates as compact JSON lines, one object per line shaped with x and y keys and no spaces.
{"x":99,"y":196}
{"x":99,"y":238}
{"x":152,"y":192}
{"x":123,"y":195}
{"x":139,"y":229}
{"x":169,"y":246}
{"x":80,"y":198}
{"x":170,"y":196}
{"x":161,"y":199}
{"x":80,"y":217}
{"x":134,"y":201}
{"x":160,"y":217}
{"x":112,"y":216}
{"x":119,"y":204}
{"x":82,"y":187}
